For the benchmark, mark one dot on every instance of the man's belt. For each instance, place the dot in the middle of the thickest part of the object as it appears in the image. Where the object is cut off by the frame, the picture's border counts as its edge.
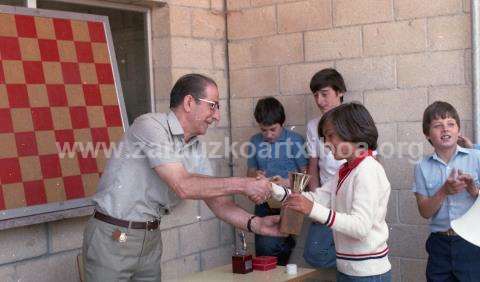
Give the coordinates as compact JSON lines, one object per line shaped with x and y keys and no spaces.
{"x":149,"y":225}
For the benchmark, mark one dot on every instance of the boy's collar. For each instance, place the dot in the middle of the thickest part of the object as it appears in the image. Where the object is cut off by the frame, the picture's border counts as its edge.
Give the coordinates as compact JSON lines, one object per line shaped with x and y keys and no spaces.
{"x":459,"y":149}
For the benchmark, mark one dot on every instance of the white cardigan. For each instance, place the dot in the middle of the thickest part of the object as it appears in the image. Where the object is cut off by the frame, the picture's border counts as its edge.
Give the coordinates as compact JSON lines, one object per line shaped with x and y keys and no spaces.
{"x":356,"y":212}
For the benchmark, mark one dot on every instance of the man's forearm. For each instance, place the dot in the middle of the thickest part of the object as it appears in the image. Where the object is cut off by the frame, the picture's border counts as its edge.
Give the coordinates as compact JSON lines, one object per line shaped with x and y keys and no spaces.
{"x":201,"y":187}
{"x":226,"y":210}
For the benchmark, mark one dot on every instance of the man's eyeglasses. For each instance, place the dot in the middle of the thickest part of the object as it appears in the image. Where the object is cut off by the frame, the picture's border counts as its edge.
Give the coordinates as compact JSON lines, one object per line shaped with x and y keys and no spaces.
{"x":213,"y":105}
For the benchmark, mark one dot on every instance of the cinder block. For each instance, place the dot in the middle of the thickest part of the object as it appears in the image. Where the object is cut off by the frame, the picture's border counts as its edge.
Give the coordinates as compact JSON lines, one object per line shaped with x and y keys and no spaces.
{"x":392,"y":212}
{"x":412,"y":142}
{"x":413,"y":269}
{"x":294,"y":109}
{"x":161,"y":53}
{"x":242,"y":113}
{"x":240,"y":139}
{"x":8,"y":273}
{"x":394,"y":38}
{"x":468,"y":66}
{"x":217,"y":5}
{"x":162,"y":83}
{"x":214,"y":143}
{"x":208,"y":24}
{"x":408,"y":9}
{"x":258,"y":82}
{"x":170,"y":244}
{"x":387,"y":132}
{"x":368,"y":73}
{"x":350,"y":12}
{"x":220,"y":78}
{"x":408,"y":209}
{"x":335,"y":43}
{"x":227,"y":234}
{"x":251,"y":23}
{"x":224,"y":118}
{"x":191,"y":53}
{"x":178,"y":268}
{"x":60,"y":267}
{"x":222,"y":167}
{"x":219,"y":57}
{"x":298,"y":129}
{"x":295,"y":79}
{"x":180,"y":21}
{"x":396,"y":269}
{"x":216,"y":257}
{"x":395,"y":106}
{"x":186,"y":212}
{"x":66,"y":234}
{"x":160,"y":22}
{"x":199,"y":236}
{"x":408,"y":241}
{"x":459,"y":96}
{"x":305,"y":15}
{"x":467,"y":6}
{"x":354,"y":96}
{"x":22,"y":243}
{"x":439,"y":68}
{"x":233,"y":5}
{"x":447,"y":33}
{"x":259,"y":3}
{"x":191,"y":3}
{"x":267,"y":51}
{"x":399,"y":170}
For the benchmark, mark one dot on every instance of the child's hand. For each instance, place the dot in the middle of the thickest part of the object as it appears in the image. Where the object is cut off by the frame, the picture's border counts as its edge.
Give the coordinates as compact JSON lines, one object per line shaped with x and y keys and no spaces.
{"x":453,"y":185}
{"x":470,"y":184}
{"x":464,"y":142}
{"x":299,"y":203}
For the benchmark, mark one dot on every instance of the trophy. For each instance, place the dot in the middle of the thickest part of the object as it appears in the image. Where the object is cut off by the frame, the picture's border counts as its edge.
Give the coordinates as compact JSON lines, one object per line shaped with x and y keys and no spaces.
{"x":241,"y":260}
{"x":291,"y":221}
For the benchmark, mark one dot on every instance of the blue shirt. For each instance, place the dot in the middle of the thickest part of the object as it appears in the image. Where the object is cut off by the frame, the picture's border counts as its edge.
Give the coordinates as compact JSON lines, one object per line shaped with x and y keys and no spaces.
{"x":286,"y":154}
{"x":432,"y":172}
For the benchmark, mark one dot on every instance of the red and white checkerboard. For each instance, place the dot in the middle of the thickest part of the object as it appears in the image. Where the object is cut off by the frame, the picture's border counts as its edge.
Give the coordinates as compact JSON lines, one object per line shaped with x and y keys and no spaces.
{"x":56,"y":87}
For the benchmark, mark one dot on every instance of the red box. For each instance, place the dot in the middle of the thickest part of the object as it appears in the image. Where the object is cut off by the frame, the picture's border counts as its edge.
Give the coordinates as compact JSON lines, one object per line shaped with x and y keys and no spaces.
{"x":264,"y":263}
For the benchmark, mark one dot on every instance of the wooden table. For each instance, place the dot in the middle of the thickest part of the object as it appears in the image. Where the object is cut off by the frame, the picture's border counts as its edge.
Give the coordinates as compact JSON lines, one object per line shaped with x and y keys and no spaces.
{"x":224,"y":274}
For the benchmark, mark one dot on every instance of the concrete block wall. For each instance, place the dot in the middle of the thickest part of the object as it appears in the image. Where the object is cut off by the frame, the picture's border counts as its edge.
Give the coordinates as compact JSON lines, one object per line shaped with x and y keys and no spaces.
{"x":42,"y":252}
{"x":397,"y":56}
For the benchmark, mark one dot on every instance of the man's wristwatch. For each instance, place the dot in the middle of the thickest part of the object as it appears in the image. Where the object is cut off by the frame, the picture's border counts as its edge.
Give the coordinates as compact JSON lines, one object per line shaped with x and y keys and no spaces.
{"x":249,"y":223}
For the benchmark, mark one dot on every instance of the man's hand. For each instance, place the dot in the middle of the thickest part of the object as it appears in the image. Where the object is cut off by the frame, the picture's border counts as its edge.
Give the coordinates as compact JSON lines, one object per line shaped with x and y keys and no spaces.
{"x":268,"y":225}
{"x":258,"y":190}
{"x":299,"y":203}
{"x":470,"y":184}
{"x":277,"y":179}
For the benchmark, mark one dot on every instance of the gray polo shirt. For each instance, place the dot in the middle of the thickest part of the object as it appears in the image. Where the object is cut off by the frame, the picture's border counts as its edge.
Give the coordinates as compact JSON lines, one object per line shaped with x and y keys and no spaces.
{"x":129,"y":188}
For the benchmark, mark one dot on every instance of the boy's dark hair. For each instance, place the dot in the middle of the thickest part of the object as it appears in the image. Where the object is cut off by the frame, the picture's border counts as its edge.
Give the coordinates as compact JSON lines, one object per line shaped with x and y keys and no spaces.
{"x":269,"y":111}
{"x":436,"y":110}
{"x":352,"y":123}
{"x":328,"y":77}
{"x":190,"y":84}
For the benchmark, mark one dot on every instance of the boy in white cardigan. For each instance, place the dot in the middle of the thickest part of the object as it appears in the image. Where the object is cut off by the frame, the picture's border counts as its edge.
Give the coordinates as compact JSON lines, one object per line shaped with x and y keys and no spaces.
{"x":354,"y":202}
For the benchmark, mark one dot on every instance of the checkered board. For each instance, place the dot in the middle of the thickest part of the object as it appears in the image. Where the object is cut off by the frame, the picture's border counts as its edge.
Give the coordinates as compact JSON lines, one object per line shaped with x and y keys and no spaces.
{"x":57,"y":91}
